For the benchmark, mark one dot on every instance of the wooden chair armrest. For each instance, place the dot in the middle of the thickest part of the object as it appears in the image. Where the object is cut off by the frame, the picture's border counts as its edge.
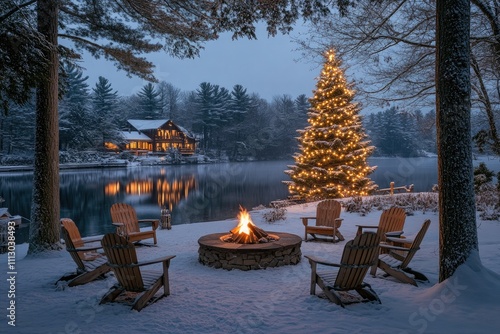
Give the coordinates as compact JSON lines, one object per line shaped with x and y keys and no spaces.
{"x":399,"y":240}
{"x":147,"y":220}
{"x":305,"y":220}
{"x":367,"y":226}
{"x":392,"y":247}
{"x":158,"y":260}
{"x":321,"y":261}
{"x":394,"y":234}
{"x":91,"y":239}
{"x":154,"y":222}
{"x":83,"y":249}
{"x":164,"y":260}
{"x":339,"y":219}
{"x":118,"y":224}
{"x":361,"y":227}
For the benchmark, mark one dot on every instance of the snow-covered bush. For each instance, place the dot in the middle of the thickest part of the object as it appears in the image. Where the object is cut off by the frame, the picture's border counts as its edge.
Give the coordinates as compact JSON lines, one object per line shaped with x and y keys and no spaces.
{"x":356,"y":204}
{"x":482,"y":176}
{"x":16,"y":160}
{"x":66,"y":157}
{"x":487,"y":194}
{"x":275,"y":214}
{"x":410,"y":202}
{"x":487,"y":202}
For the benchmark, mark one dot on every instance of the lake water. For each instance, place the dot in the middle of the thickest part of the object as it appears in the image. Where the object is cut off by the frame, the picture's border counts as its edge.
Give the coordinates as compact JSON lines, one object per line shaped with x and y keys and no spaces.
{"x":193,"y":193}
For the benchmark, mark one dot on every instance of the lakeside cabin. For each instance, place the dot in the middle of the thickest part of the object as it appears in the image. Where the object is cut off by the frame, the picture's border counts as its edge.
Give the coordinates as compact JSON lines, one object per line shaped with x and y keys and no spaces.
{"x":156,"y":136}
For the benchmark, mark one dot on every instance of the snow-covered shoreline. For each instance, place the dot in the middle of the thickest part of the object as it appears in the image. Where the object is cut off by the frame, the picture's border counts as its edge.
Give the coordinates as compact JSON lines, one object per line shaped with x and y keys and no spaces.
{"x":66,"y":166}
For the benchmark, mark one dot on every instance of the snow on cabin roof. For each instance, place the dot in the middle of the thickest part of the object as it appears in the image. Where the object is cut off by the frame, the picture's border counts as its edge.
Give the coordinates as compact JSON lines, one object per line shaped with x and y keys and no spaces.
{"x":186,"y":132}
{"x":147,"y":124}
{"x":153,"y":124}
{"x":135,"y":135}
{"x":4,"y":212}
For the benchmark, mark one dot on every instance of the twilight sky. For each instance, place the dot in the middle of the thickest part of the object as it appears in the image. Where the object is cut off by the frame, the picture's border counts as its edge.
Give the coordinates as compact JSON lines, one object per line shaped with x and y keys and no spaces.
{"x":267,"y":66}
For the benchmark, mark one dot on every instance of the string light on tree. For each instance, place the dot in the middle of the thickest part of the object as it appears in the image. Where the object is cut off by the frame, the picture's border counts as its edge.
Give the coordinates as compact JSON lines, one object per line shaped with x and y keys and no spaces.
{"x":333,"y":150}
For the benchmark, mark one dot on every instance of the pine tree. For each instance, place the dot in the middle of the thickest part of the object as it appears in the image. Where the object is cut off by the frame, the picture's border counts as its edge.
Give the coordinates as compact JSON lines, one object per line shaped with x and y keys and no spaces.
{"x":74,"y":117}
{"x":150,"y":102}
{"x":211,"y":102}
{"x":395,"y":135}
{"x":12,"y":140}
{"x":105,"y":100}
{"x":236,"y":130}
{"x":285,"y":117}
{"x":170,"y":98}
{"x":333,"y":151}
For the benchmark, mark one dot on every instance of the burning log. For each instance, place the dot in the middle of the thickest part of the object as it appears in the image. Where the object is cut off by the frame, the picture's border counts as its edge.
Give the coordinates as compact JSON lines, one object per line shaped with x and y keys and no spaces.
{"x":235,"y":230}
{"x":241,"y":238}
{"x":273,"y":237}
{"x":227,"y":238}
{"x":247,"y":233}
{"x":258,"y":232}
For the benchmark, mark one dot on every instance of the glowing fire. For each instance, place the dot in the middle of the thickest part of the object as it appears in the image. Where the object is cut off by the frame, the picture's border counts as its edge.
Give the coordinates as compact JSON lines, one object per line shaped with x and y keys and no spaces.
{"x":244,"y":222}
{"x":246,"y":232}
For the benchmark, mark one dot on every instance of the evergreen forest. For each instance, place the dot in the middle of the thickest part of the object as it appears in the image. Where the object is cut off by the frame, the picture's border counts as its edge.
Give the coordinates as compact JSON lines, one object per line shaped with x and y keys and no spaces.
{"x":229,"y":123}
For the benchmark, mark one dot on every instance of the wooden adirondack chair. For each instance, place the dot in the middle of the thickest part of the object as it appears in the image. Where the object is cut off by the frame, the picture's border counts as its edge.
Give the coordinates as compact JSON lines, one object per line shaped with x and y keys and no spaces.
{"x":327,"y":221}
{"x":122,"y":258}
{"x":391,"y":221}
{"x":125,"y":219}
{"x":401,"y":251}
{"x":90,"y":264}
{"x":357,"y":257}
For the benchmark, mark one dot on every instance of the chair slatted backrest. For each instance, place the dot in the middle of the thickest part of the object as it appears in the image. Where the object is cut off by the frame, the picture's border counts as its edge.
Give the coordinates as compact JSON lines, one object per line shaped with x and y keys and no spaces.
{"x":415,"y":246}
{"x":68,"y":228}
{"x":125,"y":214}
{"x":358,"y":256}
{"x":392,"y":219}
{"x":73,"y":232}
{"x":327,"y":211}
{"x":121,"y":255}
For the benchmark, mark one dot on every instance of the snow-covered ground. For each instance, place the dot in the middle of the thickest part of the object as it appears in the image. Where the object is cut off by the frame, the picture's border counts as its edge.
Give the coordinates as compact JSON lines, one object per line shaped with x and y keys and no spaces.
{"x":274,"y":300}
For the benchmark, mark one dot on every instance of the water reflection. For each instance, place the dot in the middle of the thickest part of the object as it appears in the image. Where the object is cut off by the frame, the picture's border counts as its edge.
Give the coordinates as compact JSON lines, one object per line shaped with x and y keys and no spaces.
{"x":193,"y":193}
{"x":167,"y":193}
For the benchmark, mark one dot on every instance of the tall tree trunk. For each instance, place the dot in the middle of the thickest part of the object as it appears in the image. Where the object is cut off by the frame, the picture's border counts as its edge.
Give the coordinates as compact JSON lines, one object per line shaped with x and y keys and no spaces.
{"x":457,"y":210}
{"x":45,"y":209}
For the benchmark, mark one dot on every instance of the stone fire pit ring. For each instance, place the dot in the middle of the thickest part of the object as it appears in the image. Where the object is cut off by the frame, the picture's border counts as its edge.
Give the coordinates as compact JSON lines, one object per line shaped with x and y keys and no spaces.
{"x":216,"y":253}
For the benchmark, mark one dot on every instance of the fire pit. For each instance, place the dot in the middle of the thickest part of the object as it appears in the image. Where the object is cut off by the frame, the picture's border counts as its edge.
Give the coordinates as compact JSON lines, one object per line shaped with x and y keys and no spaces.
{"x":248,"y":247}
{"x":247,"y":233}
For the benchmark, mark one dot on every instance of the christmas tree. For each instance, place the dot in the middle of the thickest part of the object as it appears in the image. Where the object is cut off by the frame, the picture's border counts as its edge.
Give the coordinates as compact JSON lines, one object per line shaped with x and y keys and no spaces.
{"x":333,"y":150}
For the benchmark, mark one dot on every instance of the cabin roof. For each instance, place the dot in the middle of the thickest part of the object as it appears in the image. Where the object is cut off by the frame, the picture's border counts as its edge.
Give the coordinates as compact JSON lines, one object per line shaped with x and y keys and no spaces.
{"x":4,"y":212}
{"x":147,"y":124}
{"x":153,"y":124}
{"x":135,"y":135}
{"x":186,"y":132}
